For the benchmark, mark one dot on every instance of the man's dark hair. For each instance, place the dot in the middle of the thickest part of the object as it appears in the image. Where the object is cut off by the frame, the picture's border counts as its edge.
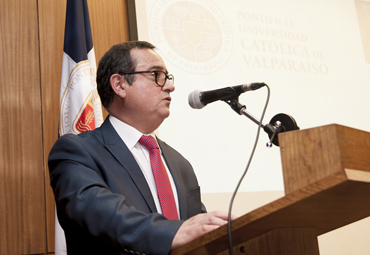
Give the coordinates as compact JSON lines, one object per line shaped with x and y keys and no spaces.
{"x":115,"y":61}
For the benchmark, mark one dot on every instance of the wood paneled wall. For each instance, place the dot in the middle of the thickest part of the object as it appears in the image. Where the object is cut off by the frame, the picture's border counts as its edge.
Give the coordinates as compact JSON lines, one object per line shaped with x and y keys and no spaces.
{"x":22,"y":203}
{"x":31,"y":49}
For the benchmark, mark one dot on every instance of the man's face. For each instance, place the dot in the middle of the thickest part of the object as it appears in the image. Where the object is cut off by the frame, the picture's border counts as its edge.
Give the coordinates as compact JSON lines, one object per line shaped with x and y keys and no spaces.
{"x":144,"y":97}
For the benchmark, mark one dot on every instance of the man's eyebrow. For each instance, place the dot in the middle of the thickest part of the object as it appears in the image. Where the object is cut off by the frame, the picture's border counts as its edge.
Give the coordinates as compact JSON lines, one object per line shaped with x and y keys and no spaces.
{"x":160,"y":68}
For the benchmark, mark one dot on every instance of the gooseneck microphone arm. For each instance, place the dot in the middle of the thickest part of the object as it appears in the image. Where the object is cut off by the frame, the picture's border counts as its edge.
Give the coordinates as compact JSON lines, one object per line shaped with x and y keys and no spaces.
{"x":241,"y":110}
{"x":278,"y":124}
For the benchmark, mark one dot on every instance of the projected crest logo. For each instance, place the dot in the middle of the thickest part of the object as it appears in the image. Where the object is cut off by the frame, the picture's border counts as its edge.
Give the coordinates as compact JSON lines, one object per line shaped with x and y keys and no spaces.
{"x":193,"y":35}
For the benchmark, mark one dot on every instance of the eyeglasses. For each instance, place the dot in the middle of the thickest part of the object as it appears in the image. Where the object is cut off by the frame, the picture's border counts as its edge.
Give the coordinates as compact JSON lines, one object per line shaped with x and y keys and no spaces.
{"x":160,"y":76}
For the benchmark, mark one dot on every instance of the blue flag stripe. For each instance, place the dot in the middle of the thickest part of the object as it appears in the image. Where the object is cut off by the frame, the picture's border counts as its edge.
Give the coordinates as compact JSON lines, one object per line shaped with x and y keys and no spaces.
{"x":77,"y":37}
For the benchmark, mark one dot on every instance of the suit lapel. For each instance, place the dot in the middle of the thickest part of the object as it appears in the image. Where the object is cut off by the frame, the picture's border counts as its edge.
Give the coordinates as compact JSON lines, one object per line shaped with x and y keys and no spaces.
{"x":176,"y":174}
{"x":123,"y":155}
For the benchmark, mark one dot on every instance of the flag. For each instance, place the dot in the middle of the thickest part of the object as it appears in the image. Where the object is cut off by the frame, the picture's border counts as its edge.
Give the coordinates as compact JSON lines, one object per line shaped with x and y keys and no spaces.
{"x":80,"y":106}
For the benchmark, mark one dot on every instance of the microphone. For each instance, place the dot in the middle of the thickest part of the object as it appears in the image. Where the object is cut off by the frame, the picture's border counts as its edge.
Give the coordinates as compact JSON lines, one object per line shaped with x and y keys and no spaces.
{"x":198,"y":99}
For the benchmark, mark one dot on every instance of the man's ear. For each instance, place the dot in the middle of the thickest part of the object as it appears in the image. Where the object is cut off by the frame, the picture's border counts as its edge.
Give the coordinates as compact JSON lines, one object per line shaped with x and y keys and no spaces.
{"x":118,"y":83}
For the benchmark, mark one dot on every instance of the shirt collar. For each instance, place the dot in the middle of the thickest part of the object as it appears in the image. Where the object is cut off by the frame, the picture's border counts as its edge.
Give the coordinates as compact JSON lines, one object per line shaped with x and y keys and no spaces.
{"x":128,"y":134}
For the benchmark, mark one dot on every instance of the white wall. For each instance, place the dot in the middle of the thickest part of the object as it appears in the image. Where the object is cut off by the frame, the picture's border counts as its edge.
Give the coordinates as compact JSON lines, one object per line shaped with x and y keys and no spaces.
{"x":310,"y":52}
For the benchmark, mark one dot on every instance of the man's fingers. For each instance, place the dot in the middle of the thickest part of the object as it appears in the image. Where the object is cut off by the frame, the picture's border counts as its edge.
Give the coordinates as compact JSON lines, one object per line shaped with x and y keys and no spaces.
{"x":223,"y":215}
{"x":199,"y":225}
{"x":213,"y":218}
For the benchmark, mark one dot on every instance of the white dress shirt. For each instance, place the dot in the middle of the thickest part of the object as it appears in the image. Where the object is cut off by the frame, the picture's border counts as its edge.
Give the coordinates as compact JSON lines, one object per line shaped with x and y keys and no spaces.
{"x":130,"y":137}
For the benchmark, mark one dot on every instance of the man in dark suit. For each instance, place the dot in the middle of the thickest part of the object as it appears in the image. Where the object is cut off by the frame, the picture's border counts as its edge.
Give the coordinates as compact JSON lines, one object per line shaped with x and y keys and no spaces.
{"x":105,"y":190}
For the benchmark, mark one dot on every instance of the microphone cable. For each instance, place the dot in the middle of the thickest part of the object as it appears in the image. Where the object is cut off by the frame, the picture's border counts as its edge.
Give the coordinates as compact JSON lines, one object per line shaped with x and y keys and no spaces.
{"x":245,"y":171}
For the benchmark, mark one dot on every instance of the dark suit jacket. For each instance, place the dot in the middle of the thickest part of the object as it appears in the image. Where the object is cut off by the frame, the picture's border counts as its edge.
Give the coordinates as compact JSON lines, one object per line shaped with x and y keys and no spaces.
{"x":103,"y":201}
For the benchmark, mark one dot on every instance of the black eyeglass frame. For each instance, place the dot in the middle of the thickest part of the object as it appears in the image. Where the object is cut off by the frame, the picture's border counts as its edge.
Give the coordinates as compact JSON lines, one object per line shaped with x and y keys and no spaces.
{"x":169,"y":77}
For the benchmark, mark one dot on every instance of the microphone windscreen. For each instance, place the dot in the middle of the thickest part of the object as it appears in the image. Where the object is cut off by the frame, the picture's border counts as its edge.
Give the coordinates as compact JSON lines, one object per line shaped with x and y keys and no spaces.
{"x":194,"y":100}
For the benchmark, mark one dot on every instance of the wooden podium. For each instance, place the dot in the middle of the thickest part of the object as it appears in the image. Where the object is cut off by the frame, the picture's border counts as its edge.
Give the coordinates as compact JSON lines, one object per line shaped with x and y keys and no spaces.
{"x":327,"y":185}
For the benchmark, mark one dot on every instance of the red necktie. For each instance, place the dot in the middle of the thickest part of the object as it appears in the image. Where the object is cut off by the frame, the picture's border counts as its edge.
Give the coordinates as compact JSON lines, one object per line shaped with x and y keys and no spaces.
{"x":162,"y":182}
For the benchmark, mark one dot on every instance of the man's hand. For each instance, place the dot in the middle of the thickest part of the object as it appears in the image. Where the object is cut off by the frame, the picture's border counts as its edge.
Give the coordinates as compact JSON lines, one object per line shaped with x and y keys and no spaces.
{"x":197,"y":226}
